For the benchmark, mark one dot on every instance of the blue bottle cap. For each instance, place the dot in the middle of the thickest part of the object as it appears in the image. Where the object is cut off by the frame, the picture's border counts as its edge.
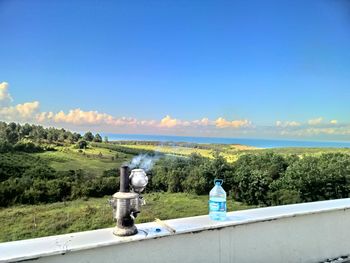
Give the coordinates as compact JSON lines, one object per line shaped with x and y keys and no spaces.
{"x":218,"y":181}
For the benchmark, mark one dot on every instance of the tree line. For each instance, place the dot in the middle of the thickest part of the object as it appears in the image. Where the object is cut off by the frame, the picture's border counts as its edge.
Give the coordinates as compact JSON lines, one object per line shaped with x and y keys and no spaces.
{"x":258,"y":179}
{"x":28,"y":179}
{"x":255,"y":178}
{"x":36,"y":138}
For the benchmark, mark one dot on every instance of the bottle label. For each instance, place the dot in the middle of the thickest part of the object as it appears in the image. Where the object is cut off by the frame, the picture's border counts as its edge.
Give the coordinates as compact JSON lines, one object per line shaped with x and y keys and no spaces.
{"x":217,"y":206}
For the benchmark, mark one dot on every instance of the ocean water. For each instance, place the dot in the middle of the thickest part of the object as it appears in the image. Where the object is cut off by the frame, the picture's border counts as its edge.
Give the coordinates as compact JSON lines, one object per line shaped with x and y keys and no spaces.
{"x":261,"y":143}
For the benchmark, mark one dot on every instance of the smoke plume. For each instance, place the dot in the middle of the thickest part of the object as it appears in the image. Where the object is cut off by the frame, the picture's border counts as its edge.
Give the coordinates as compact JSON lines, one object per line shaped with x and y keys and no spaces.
{"x":143,"y":161}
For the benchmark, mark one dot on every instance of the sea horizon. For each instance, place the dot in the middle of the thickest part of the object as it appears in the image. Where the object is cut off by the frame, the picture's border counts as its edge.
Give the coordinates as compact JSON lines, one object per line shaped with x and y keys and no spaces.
{"x":254,"y":142}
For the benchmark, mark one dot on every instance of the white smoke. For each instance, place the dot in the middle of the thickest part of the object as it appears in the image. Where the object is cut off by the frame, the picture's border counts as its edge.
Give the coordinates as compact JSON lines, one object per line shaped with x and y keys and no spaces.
{"x":143,"y":161}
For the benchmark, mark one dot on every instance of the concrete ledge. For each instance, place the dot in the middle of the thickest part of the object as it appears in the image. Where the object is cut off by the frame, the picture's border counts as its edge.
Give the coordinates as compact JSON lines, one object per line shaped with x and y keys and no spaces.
{"x":309,"y":232}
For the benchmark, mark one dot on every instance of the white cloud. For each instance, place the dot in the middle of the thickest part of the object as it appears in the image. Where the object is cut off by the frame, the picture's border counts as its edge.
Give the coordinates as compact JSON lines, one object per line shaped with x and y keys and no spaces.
{"x":203,"y":122}
{"x":80,"y":117}
{"x":168,"y":122}
{"x":288,"y":124}
{"x":5,"y":97}
{"x":20,"y":112}
{"x":312,"y":130}
{"x":77,"y":116}
{"x":316,"y":121}
{"x":223,"y":123}
{"x":44,"y":116}
{"x":293,"y":124}
{"x":27,"y":109}
{"x":148,"y":123}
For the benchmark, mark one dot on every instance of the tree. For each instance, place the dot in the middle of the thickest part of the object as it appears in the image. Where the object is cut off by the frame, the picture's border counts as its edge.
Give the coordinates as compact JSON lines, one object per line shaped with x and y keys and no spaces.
{"x":62,"y":137}
{"x":70,"y":137}
{"x":253,"y":176}
{"x":3,"y":126}
{"x":25,"y":131}
{"x":5,"y":146}
{"x":12,"y":133}
{"x":88,"y":136}
{"x":314,"y":178}
{"x":52,"y":135}
{"x":195,"y":182}
{"x":105,"y":139}
{"x":82,"y":144}
{"x":76,"y":137}
{"x":40,"y":133}
{"x":97,"y":138}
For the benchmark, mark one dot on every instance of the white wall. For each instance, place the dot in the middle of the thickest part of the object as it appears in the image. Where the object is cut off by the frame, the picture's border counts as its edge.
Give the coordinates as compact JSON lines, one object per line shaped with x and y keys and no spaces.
{"x":298,"y":233}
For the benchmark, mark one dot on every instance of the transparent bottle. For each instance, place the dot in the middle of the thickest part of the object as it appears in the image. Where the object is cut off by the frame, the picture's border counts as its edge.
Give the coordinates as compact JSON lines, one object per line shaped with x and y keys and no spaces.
{"x":217,"y":201}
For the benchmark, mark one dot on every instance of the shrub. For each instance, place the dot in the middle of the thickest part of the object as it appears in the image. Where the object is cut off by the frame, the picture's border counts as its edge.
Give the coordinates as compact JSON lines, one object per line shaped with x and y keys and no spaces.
{"x":5,"y":146}
{"x":27,"y":146}
{"x":316,"y":178}
{"x":253,"y":176}
{"x":82,"y":144}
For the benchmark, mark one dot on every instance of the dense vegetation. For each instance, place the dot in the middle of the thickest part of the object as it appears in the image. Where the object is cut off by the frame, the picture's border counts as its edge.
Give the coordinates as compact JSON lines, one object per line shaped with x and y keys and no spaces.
{"x":36,"y":138}
{"x":259,"y":179}
{"x":33,"y":169}
{"x":27,"y":179}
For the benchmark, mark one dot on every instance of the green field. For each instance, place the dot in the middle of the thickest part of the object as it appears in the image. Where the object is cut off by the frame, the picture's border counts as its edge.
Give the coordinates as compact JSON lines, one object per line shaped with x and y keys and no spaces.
{"x":93,"y":160}
{"x":97,"y":159}
{"x":230,"y":152}
{"x":303,"y":151}
{"x":23,"y":221}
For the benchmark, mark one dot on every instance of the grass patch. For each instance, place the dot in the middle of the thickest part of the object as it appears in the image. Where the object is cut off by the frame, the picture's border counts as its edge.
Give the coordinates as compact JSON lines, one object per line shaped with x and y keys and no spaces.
{"x":23,"y":222}
{"x":230,"y":152}
{"x":93,"y":160}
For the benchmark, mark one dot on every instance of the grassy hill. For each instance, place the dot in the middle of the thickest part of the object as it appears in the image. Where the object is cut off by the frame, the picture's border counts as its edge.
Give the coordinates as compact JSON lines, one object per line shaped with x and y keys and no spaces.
{"x":93,"y":159}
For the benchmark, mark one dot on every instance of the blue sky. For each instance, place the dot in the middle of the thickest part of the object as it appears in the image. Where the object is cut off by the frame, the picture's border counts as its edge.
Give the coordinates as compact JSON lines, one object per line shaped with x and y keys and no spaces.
{"x":244,"y":68}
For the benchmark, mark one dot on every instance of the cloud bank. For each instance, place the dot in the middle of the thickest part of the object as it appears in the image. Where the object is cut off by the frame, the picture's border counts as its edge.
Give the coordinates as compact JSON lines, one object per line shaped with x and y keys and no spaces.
{"x":82,"y":120}
{"x":313,"y":127}
{"x":78,"y":118}
{"x":5,"y":97}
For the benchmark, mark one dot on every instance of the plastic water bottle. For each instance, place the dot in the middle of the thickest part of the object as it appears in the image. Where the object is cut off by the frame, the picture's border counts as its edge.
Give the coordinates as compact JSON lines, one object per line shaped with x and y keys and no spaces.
{"x":217,"y":201}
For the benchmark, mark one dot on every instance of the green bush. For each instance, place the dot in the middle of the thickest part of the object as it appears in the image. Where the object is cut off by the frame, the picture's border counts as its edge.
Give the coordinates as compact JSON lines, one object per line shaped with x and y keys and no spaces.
{"x":253,"y":176}
{"x":5,"y":146}
{"x":29,"y":180}
{"x":27,"y":146}
{"x":82,"y":144}
{"x":193,"y":174}
{"x":315,"y":178}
